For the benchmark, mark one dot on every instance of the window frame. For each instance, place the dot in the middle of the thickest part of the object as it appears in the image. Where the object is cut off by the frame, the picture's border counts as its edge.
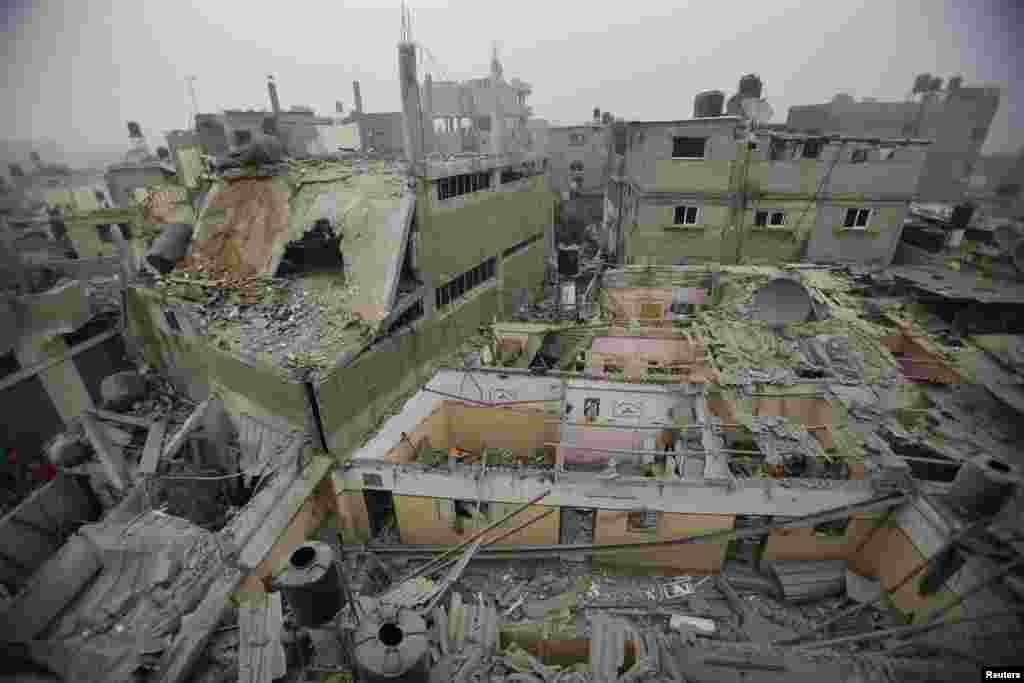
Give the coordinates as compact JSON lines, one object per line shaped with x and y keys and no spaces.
{"x":856,"y":213}
{"x":686,"y":208}
{"x":642,"y":521}
{"x":816,"y":145}
{"x":577,"y":139}
{"x":769,"y":217}
{"x":859,"y":156}
{"x":703,"y":151}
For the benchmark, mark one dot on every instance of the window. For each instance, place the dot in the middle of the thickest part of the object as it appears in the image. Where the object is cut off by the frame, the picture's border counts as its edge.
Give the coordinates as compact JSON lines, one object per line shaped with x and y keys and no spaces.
{"x":577,"y":139}
{"x":510,"y":175}
{"x":103,"y":231}
{"x":652,"y":311}
{"x":642,"y":520}
{"x":242,"y":137}
{"x":764,"y":219}
{"x":859,"y":156}
{"x":592,"y":408}
{"x":456,"y":185}
{"x":685,"y":215}
{"x":857,"y":218}
{"x":576,"y":167}
{"x":458,"y":287}
{"x":779,"y":150}
{"x":688,"y":148}
{"x":886,"y":153}
{"x":516,"y":248}
{"x":812,"y":149}
{"x":172,"y":321}
{"x":370,"y":479}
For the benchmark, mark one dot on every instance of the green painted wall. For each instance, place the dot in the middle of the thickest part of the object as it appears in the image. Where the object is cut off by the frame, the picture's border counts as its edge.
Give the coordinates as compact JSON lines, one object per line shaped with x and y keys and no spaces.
{"x":522,"y":271}
{"x":197,"y":366}
{"x":655,"y":240}
{"x":681,"y":175}
{"x":354,"y":399}
{"x":478,"y":225}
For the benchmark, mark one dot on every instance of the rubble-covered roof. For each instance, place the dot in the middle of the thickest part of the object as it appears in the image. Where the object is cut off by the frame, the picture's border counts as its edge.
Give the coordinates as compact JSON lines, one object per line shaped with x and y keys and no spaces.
{"x":308,"y":319}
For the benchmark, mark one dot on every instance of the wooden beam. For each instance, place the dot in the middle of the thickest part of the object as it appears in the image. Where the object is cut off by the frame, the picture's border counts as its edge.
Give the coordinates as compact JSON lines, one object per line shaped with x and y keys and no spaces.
{"x":113,"y":463}
{"x":33,"y":370}
{"x":151,"y":452}
{"x":178,"y":440}
{"x":260,"y":545}
{"x":130,"y":420}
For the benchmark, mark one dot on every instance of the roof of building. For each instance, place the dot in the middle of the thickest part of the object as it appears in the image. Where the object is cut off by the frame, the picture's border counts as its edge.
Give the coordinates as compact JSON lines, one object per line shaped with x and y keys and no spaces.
{"x":240,"y":238}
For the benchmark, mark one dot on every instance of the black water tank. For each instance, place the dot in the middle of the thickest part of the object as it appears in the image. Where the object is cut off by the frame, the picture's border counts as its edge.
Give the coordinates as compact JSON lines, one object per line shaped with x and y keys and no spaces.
{"x":708,"y":103}
{"x":750,"y":86}
{"x":961,"y":217}
{"x":310,"y":584}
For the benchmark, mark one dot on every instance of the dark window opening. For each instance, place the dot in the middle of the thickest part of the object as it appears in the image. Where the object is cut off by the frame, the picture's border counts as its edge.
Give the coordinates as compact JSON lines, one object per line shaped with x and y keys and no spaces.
{"x":520,"y":246}
{"x":812,"y":149}
{"x":642,"y":520}
{"x":576,"y":167}
{"x":103,"y":232}
{"x":456,"y":288}
{"x":592,"y":408}
{"x":859,"y":156}
{"x":380,"y":508}
{"x":769,"y":218}
{"x":779,"y":150}
{"x":833,"y":529}
{"x":510,"y":175}
{"x":454,"y":186}
{"x":688,"y":148}
{"x":242,"y":137}
{"x":469,"y":509}
{"x":577,"y":139}
{"x":685,"y":215}
{"x":857,"y":218}
{"x":317,"y":250}
{"x":172,"y":321}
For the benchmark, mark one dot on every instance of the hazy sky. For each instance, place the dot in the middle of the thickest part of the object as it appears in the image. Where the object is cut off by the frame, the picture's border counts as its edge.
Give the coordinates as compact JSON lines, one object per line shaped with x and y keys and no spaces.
{"x":77,"y":71}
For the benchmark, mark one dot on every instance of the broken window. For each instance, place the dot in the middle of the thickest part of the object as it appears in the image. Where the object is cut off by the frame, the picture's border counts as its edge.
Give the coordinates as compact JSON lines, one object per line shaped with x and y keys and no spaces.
{"x":592,"y":408}
{"x":857,"y":218}
{"x":779,"y":149}
{"x":454,"y":289}
{"x":172,"y":321}
{"x":688,"y":148}
{"x":769,"y":218}
{"x":685,"y":215}
{"x":642,"y":520}
{"x":577,"y":139}
{"x":454,"y":186}
{"x":317,"y":250}
{"x":812,"y":149}
{"x":833,"y":529}
{"x":859,"y":156}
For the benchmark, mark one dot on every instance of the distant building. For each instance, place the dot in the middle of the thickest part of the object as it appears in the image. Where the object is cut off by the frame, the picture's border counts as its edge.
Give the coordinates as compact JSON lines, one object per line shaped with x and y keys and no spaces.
{"x":957,"y":120}
{"x":461,"y":114}
{"x":578,"y":158}
{"x":704,"y":190}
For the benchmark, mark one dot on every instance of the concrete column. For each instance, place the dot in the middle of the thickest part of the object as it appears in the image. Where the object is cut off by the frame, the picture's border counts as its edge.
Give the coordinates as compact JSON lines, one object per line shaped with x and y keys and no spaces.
{"x":428,"y":115}
{"x":62,"y":382}
{"x":497,"y":114}
{"x":358,"y":97}
{"x":275,"y":103}
{"x":412,"y":130}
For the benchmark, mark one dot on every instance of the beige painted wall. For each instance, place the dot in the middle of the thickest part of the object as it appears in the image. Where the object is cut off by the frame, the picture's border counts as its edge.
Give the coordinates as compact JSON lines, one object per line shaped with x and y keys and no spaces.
{"x":425,"y":521}
{"x":611,"y":526}
{"x":805,"y":544}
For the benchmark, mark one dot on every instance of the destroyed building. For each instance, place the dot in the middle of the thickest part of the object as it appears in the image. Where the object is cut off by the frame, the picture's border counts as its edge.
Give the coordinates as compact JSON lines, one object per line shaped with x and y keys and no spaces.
{"x":955,"y":116}
{"x":702,"y":472}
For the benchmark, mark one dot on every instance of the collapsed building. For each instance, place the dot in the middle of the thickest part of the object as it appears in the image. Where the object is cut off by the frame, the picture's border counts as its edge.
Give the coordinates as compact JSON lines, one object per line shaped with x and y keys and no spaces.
{"x":691,"y":472}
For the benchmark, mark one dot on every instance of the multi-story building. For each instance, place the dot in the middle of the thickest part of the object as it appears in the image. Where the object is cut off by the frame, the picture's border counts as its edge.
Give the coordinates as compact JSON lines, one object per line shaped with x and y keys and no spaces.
{"x":579,"y":158}
{"x":390,"y":267}
{"x":711,"y":190}
{"x":956,"y":119}
{"x":462,"y":113}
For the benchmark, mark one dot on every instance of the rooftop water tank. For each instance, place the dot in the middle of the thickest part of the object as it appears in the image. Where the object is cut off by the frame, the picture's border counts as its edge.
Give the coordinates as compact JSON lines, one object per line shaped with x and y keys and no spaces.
{"x":708,"y":103}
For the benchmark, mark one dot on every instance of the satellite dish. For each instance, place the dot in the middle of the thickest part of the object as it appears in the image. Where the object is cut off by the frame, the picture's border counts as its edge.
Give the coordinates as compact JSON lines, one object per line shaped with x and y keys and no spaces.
{"x":757,"y":110}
